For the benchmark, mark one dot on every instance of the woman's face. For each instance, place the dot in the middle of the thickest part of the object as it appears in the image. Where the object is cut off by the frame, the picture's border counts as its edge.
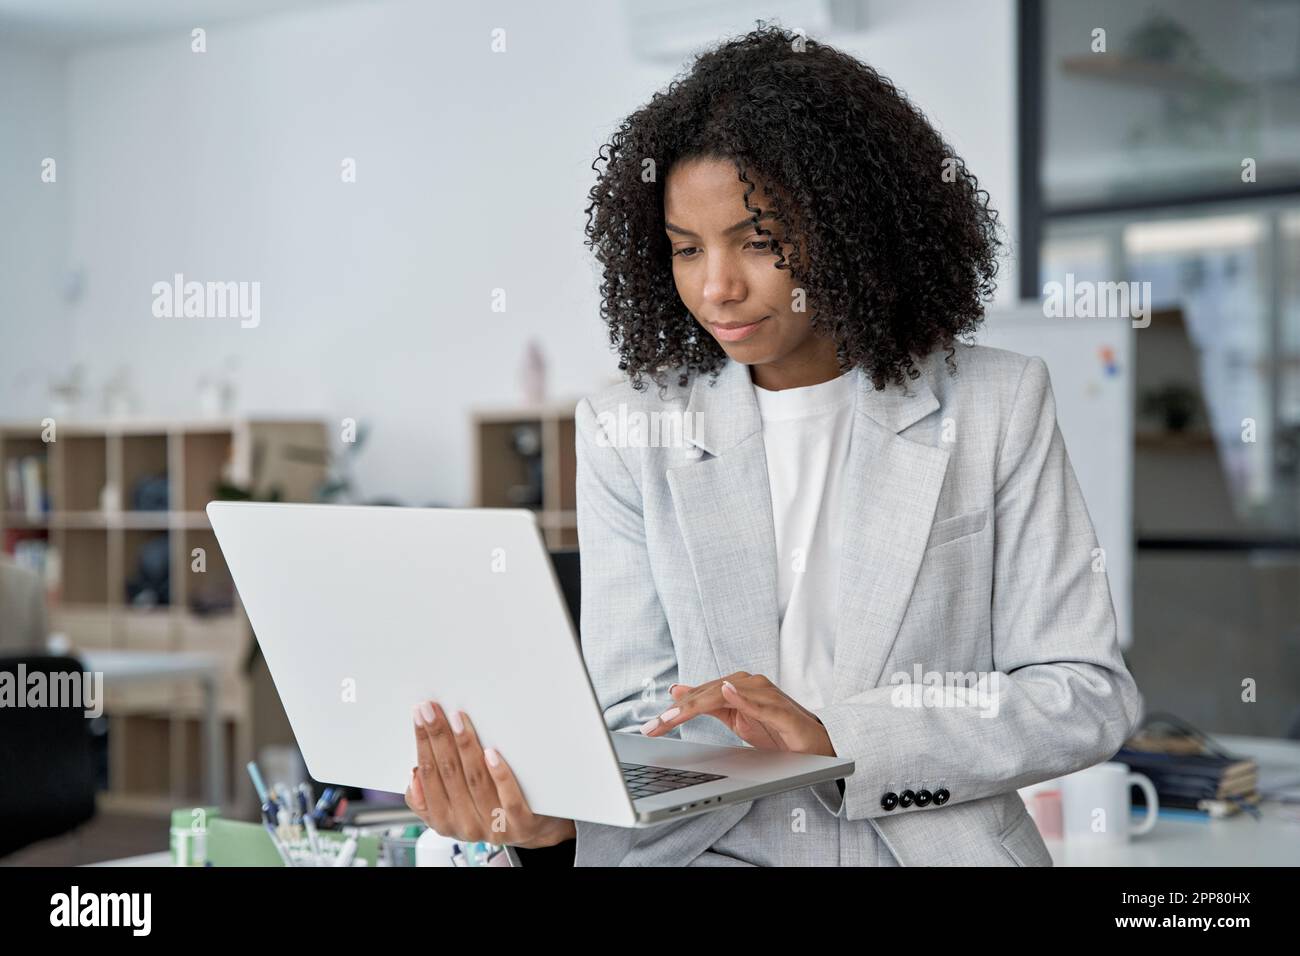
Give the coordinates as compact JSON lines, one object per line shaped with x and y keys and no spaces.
{"x":726,"y":275}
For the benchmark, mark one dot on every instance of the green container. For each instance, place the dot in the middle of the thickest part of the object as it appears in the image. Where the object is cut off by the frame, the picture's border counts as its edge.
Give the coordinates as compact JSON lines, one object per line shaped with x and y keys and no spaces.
{"x":236,"y":843}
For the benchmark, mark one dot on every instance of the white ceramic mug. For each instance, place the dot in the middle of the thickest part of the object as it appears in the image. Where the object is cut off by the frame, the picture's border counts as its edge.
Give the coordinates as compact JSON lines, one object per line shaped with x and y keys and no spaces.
{"x":1096,"y":803}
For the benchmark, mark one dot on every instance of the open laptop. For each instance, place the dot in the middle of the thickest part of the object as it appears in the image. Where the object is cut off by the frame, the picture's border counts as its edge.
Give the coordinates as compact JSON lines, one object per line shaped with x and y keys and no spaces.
{"x":364,"y":611}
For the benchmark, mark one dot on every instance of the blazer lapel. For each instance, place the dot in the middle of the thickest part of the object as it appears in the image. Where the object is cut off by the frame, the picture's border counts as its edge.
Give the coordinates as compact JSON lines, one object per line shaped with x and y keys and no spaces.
{"x":724,"y":509}
{"x":891,"y":492}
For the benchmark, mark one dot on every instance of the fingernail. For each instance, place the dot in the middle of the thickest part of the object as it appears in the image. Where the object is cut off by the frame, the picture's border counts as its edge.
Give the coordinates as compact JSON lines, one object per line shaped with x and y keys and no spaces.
{"x":728,"y":684}
{"x":670,"y":713}
{"x":454,"y":718}
{"x":670,"y":688}
{"x":426,"y":710}
{"x":492,"y":758}
{"x":418,"y":717}
{"x":650,"y":725}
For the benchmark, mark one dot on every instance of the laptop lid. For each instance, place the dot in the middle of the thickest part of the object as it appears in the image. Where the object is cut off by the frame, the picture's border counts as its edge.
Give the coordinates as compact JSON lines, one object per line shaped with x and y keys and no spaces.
{"x":363,"y":611}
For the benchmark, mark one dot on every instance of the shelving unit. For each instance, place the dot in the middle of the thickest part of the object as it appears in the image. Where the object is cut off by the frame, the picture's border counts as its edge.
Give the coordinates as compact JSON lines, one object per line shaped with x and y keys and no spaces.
{"x":499,"y":467}
{"x":1180,"y":483}
{"x":92,"y":469}
{"x":1145,"y":73}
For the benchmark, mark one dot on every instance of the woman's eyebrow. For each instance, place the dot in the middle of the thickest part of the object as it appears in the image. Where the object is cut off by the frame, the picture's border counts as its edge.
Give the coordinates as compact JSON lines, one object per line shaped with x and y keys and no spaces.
{"x":743,"y":224}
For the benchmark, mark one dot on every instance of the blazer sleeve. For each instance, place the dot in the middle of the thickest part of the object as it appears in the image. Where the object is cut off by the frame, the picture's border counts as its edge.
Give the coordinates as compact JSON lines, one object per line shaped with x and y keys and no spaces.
{"x":1064,"y":697}
{"x":626,"y":643}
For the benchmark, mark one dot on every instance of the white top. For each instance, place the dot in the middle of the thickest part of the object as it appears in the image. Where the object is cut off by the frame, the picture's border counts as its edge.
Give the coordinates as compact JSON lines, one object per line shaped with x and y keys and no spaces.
{"x":806,"y":436}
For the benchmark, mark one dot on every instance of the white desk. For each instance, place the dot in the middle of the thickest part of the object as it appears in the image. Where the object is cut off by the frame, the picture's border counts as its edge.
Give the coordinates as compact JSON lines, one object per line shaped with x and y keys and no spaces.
{"x":161,"y":858}
{"x":124,"y":666}
{"x":1241,"y":840}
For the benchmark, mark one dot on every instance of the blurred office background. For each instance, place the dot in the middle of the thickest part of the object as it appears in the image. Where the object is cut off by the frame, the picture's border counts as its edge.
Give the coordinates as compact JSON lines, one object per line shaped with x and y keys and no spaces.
{"x":386,"y":176}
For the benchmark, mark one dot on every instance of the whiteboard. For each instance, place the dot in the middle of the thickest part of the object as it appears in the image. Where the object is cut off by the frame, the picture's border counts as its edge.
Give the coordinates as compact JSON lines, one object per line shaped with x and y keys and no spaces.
{"x":1089,"y":361}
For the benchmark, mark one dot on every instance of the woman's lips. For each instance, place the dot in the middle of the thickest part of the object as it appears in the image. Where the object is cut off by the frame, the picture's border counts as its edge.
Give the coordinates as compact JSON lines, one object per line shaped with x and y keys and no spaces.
{"x":738,"y":332}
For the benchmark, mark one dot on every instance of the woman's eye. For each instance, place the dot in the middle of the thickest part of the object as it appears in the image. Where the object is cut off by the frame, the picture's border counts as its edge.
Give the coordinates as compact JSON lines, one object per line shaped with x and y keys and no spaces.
{"x":762,"y":245}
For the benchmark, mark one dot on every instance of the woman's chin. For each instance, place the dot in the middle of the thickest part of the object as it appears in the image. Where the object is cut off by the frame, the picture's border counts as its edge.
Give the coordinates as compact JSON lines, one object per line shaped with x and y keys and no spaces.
{"x":747,"y":353}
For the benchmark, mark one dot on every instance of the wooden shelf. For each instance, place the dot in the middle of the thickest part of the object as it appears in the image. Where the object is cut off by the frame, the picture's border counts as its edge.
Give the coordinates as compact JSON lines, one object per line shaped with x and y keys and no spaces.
{"x":84,"y":553}
{"x":558,"y":519}
{"x":179,"y":520}
{"x":500,"y":468}
{"x":91,"y":472}
{"x":1140,"y":72}
{"x":84,"y":473}
{"x":16,"y":519}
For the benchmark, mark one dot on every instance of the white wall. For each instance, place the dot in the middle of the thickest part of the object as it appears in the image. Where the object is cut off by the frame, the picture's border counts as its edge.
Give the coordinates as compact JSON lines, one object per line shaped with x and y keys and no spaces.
{"x":33,"y":221}
{"x":473,"y":170}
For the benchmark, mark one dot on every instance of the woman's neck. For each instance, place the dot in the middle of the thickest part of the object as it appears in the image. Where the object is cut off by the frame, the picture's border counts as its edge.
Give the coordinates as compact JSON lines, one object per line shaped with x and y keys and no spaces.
{"x":796,"y":371}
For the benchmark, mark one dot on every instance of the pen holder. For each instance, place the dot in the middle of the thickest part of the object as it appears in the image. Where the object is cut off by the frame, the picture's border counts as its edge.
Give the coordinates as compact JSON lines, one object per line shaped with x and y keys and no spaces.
{"x":330,"y":844}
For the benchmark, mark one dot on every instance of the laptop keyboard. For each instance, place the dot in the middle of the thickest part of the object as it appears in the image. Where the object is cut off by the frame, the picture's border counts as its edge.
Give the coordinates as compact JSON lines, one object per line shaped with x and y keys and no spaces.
{"x":644,"y":781}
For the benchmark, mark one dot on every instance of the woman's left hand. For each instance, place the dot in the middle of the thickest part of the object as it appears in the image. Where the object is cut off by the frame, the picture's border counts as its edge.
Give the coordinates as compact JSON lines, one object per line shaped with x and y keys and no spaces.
{"x":753,"y":708}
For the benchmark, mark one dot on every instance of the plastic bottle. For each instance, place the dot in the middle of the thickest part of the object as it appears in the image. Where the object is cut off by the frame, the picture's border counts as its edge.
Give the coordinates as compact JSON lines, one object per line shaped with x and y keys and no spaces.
{"x":433,"y":849}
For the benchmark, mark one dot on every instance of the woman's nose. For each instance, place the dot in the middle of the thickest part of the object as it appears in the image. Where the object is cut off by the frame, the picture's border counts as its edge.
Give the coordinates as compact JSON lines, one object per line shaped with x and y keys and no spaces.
{"x":723,"y":282}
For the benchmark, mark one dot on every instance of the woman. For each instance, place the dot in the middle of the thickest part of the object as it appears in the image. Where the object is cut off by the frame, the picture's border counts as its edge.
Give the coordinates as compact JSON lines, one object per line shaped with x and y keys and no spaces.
{"x":865,"y":539}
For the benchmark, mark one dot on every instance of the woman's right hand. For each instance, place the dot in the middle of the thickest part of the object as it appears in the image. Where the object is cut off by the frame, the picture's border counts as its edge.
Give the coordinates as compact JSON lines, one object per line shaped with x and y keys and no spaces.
{"x":469,"y":794}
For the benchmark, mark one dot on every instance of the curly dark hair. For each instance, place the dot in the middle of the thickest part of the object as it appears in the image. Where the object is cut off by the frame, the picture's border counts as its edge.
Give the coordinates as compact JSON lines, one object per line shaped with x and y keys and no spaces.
{"x":892,"y":239}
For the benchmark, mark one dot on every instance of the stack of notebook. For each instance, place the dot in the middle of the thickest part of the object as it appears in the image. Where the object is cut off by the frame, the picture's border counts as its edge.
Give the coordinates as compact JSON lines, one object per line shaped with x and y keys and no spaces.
{"x":1187,"y":777}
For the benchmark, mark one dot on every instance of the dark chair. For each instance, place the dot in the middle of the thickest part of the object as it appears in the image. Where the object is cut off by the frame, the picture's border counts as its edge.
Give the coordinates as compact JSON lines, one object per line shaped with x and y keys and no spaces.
{"x":47,"y":772}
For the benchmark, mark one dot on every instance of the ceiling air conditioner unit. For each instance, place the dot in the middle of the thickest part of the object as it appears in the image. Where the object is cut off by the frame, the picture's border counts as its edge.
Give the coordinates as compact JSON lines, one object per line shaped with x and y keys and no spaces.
{"x":672,"y":31}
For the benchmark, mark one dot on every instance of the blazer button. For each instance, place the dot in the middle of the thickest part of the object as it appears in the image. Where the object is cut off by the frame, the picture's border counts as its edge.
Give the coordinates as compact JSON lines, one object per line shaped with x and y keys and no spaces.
{"x":923,"y":798}
{"x":941,"y":797}
{"x":905,"y":798}
{"x":889,"y":800}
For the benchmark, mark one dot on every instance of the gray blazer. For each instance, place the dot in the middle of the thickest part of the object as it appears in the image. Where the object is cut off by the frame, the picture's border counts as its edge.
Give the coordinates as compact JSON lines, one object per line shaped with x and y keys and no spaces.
{"x":967,"y":550}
